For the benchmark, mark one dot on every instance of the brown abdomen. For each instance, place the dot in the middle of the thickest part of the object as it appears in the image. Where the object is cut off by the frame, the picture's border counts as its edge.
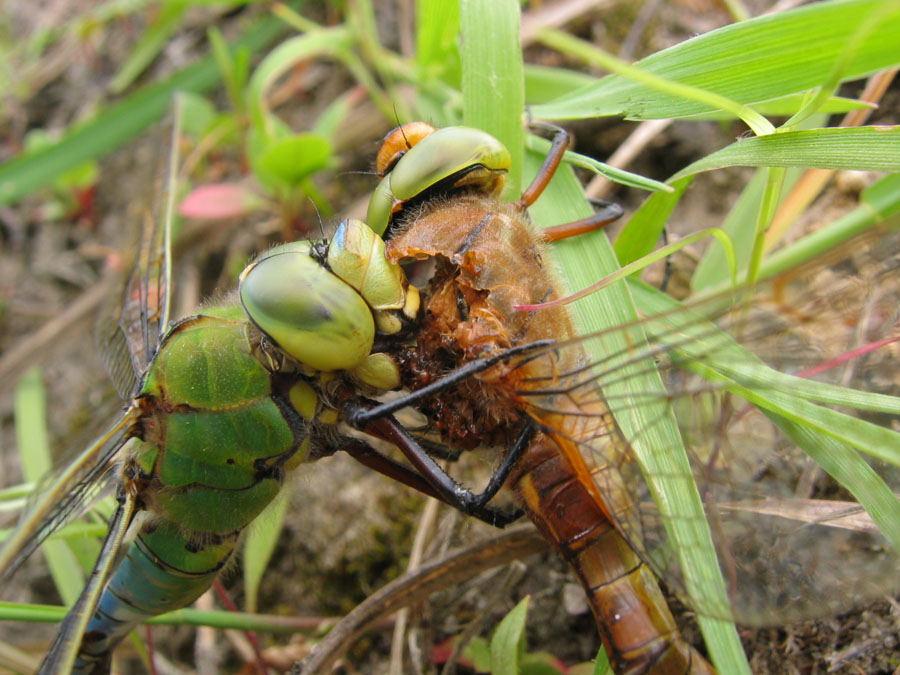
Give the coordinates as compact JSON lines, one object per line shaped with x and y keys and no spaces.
{"x":637,"y":628}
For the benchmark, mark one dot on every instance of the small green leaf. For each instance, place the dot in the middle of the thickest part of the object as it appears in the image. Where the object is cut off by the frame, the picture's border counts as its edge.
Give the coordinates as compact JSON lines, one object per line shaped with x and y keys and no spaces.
{"x":508,"y":641}
{"x":258,"y":546}
{"x":493,"y":83}
{"x":602,"y":666}
{"x":478,"y":653}
{"x":290,"y":160}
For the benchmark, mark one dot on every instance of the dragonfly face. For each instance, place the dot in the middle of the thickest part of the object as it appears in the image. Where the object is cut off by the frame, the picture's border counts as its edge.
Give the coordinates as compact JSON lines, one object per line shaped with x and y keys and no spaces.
{"x":326,"y":317}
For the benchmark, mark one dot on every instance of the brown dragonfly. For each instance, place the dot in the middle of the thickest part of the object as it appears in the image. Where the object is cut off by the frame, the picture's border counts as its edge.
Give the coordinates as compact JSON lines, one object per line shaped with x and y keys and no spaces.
{"x":779,"y":390}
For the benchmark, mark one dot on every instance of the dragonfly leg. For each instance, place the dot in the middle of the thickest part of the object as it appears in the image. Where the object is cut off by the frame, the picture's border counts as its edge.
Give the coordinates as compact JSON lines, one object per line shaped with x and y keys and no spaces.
{"x":448,"y":490}
{"x":369,"y":457}
{"x":607,"y":212}
{"x":558,"y":149}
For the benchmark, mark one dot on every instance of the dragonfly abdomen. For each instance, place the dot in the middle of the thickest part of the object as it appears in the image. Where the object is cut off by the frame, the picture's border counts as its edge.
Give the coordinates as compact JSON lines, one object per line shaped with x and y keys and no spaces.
{"x":165,"y":569}
{"x":637,"y":627}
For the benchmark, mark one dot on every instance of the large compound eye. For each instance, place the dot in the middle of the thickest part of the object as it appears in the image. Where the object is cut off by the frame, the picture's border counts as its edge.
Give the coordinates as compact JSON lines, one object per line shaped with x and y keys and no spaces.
{"x":306,"y":310}
{"x":356,"y":255}
{"x":452,"y":157}
{"x":398,"y":142}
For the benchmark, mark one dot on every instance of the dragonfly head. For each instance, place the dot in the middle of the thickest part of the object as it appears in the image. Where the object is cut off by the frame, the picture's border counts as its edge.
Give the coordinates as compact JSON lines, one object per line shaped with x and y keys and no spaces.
{"x":437,"y":162}
{"x":308,"y":312}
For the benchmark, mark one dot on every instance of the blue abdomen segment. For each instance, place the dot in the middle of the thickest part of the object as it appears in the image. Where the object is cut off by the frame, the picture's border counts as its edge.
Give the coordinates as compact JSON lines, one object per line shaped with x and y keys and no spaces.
{"x":162,"y":571}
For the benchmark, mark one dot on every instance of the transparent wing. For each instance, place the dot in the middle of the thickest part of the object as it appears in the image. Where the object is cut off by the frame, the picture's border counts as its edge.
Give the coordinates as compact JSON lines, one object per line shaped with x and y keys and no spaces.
{"x":62,"y":654}
{"x":63,"y":493}
{"x":786,"y":400}
{"x":127,"y":344}
{"x":128,"y":339}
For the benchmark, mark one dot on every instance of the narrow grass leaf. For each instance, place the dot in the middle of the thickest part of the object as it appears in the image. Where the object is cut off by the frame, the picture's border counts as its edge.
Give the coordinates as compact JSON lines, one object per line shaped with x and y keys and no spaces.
{"x":860,"y":148}
{"x":34,"y":452}
{"x":437,"y":28}
{"x":150,"y":44}
{"x":492,"y":76}
{"x":259,"y":545}
{"x":749,"y":62}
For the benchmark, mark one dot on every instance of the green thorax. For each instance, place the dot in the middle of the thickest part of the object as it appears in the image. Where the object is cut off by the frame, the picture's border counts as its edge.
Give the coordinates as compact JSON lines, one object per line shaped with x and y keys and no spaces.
{"x":220,"y":429}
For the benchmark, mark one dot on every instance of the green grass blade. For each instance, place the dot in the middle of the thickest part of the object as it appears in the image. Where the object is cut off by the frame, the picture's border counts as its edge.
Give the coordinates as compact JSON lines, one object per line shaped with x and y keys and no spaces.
{"x":118,"y":123}
{"x":493,"y":81}
{"x":861,"y":148}
{"x":749,"y":62}
{"x":437,"y":29}
{"x":34,"y":451}
{"x":259,"y":544}
{"x":150,"y":44}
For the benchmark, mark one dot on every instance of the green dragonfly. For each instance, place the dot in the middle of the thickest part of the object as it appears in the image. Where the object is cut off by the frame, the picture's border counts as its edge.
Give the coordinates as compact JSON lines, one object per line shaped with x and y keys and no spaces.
{"x":222,"y":405}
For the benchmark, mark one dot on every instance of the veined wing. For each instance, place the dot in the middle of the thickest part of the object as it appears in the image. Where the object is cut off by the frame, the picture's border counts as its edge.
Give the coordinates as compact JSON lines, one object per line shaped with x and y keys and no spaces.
{"x":764,"y":422}
{"x":128,"y":341}
{"x":62,"y":654}
{"x":127,"y":350}
{"x":62,"y":494}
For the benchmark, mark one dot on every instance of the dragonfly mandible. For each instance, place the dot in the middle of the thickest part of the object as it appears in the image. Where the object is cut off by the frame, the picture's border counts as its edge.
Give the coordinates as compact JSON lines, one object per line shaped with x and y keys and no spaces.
{"x":783,"y":555}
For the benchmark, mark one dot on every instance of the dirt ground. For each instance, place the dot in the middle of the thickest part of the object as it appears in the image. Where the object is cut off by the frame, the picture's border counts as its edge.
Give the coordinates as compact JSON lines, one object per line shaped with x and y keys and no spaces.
{"x":349,"y":531}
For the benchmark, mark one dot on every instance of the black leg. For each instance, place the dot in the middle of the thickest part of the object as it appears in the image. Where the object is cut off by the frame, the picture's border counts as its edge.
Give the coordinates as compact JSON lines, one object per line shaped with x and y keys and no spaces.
{"x":363,"y":416}
{"x":440,"y":484}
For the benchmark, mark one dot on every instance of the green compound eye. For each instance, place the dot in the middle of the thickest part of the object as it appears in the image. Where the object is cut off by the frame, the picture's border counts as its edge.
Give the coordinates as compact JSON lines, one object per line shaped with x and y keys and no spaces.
{"x":356,"y":255}
{"x":306,"y":310}
{"x":459,"y":155}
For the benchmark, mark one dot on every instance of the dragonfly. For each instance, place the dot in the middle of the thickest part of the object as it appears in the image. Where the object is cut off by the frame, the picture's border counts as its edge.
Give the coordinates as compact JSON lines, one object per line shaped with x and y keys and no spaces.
{"x":221,"y":406}
{"x":795,"y":468}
